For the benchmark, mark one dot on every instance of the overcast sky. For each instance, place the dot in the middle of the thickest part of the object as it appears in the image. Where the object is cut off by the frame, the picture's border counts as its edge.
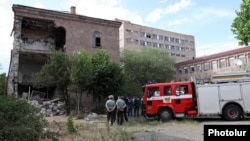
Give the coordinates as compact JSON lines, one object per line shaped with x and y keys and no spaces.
{"x":209,"y":21}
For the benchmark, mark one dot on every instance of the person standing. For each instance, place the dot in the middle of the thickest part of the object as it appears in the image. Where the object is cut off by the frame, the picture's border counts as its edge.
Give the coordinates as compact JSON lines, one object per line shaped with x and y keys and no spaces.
{"x":125,"y":109}
{"x":110,"y":107}
{"x":137,"y":103}
{"x":120,"y":104}
{"x":130,"y":107}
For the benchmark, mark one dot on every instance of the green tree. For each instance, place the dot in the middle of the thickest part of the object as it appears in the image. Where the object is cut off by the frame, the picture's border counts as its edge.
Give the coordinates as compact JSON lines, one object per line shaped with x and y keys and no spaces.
{"x":19,"y":120}
{"x":2,"y":83}
{"x":81,"y":73}
{"x":56,"y":72}
{"x":108,"y":77}
{"x":148,"y":64}
{"x":241,"y":25}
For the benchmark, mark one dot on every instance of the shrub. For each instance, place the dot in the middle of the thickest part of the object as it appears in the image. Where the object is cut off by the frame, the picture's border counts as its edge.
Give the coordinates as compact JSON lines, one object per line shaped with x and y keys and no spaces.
{"x":70,"y":125}
{"x":19,"y":120}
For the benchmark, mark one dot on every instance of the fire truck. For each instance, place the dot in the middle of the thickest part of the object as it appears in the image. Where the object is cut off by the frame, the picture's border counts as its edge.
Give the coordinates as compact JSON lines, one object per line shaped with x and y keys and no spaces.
{"x":165,"y":101}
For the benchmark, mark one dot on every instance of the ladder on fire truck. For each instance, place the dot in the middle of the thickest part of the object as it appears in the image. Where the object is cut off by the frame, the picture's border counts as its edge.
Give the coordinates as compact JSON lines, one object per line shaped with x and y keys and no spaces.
{"x":226,"y":77}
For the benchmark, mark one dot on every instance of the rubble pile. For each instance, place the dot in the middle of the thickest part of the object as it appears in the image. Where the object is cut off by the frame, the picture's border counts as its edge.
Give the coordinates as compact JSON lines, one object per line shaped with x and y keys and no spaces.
{"x":51,"y":107}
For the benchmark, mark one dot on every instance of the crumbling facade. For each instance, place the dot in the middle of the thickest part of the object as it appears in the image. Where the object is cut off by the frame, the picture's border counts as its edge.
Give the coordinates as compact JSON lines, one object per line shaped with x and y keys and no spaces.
{"x":37,"y":32}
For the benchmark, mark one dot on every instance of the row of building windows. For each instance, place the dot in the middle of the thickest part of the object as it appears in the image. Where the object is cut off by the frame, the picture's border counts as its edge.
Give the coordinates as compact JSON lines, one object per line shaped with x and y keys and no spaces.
{"x":159,"y":45}
{"x":215,"y":64}
{"x":159,"y":37}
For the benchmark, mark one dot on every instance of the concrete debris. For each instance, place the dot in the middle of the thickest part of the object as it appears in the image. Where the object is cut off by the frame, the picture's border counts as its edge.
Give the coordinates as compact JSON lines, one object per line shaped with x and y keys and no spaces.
{"x":91,"y":116}
{"x":50,"y":108}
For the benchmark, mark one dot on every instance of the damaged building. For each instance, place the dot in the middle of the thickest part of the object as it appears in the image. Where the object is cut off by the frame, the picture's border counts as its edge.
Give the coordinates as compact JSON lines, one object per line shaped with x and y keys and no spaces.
{"x":37,"y":32}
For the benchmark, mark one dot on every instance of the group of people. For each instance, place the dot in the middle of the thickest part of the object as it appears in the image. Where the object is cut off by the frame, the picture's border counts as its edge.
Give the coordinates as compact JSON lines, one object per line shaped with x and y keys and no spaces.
{"x":122,"y":108}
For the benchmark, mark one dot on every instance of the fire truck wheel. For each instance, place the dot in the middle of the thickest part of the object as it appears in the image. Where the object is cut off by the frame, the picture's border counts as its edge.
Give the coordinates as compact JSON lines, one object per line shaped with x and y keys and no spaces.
{"x":165,"y":115}
{"x":232,"y":112}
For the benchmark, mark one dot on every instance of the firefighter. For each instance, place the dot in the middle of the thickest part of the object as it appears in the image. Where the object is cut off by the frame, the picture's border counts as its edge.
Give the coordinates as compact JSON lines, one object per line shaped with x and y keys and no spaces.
{"x":110,"y":107}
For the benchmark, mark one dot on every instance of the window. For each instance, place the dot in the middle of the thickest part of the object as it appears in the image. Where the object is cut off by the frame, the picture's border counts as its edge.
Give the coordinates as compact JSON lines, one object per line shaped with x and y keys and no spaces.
{"x":182,"y":48}
{"x":172,"y":48}
{"x":171,"y":39}
{"x":172,"y":54}
{"x":180,"y":71}
{"x":142,"y":34}
{"x":155,"y":45}
{"x":177,"y":41}
{"x":160,"y":37}
{"x":182,"y":89}
{"x":167,"y":90}
{"x":206,"y":66}
{"x":166,"y":39}
{"x":231,"y":61}
{"x":242,"y":58}
{"x":161,"y":45}
{"x":149,"y":44}
{"x":154,"y":36}
{"x":198,"y":68}
{"x":142,"y":43}
{"x":96,"y":39}
{"x":153,"y":92}
{"x":222,"y":63}
{"x":166,"y":46}
{"x":177,"y":48}
{"x":148,"y":35}
{"x":192,"y":69}
{"x":186,"y":70}
{"x":214,"y":65}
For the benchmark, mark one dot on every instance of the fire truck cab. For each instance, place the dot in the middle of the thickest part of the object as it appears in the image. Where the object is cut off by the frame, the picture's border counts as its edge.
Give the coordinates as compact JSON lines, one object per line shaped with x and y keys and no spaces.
{"x":167,"y":100}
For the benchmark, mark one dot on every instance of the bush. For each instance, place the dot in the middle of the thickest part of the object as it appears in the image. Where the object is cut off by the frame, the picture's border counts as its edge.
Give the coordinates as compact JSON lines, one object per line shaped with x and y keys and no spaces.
{"x":70,"y":125}
{"x":19,"y":120}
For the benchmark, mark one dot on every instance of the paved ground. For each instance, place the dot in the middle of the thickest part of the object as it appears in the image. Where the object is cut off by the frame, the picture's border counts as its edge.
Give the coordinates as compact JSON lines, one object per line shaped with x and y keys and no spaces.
{"x":184,"y":132}
{"x":156,"y":136}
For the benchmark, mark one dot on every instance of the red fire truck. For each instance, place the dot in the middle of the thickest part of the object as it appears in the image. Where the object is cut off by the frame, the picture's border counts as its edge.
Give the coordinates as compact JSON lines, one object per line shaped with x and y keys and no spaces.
{"x":166,"y":101}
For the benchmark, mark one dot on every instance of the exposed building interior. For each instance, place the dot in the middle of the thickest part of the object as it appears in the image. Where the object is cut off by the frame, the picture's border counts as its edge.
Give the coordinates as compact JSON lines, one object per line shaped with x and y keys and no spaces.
{"x":38,"y":38}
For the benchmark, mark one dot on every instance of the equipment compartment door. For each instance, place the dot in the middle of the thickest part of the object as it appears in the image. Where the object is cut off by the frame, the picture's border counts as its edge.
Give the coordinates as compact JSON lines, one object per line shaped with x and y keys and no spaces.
{"x":208,"y":100}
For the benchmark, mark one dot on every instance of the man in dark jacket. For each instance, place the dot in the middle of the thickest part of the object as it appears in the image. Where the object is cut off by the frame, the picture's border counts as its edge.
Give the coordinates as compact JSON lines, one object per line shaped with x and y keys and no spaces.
{"x":130,"y":106}
{"x":137,"y":103}
{"x":125,"y":109}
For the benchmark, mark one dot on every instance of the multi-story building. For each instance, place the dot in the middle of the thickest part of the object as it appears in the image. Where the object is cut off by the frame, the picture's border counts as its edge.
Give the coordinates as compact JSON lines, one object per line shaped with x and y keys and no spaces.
{"x":133,"y":36}
{"x":38,"y":31}
{"x":201,"y":68}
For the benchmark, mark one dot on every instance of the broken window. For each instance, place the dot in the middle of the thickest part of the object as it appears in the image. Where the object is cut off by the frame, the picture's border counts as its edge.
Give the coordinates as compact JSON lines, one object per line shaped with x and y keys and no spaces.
{"x":60,"y":34}
{"x":97,"y":39}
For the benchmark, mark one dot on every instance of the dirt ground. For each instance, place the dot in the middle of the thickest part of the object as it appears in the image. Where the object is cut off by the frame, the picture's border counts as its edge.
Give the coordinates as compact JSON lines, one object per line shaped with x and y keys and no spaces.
{"x":97,"y":130}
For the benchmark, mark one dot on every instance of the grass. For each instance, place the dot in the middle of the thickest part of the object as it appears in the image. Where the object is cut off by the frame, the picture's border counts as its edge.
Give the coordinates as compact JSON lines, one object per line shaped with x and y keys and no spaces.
{"x":99,"y":130}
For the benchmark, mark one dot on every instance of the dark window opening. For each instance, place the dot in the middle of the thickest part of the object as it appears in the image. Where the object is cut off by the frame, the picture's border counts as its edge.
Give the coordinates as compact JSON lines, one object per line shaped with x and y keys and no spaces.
{"x":96,"y":39}
{"x":60,"y":38}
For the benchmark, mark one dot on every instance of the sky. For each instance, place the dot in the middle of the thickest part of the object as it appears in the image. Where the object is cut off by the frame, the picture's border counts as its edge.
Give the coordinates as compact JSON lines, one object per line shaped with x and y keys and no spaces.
{"x":209,"y":21}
